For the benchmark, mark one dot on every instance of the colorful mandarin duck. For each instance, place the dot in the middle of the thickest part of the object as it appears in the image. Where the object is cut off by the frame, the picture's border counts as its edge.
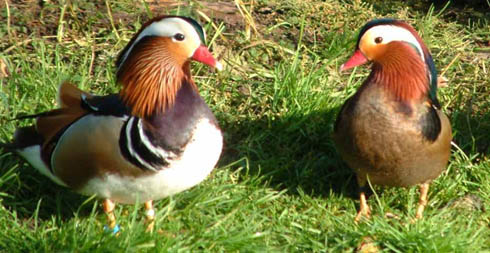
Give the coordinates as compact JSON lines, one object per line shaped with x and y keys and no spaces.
{"x":156,"y":138}
{"x":392,"y":131}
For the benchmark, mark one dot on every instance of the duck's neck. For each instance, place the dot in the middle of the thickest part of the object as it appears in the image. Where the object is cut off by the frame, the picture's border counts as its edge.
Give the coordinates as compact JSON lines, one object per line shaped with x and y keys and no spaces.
{"x":151,"y":81}
{"x":402,"y":73}
{"x":174,"y":127}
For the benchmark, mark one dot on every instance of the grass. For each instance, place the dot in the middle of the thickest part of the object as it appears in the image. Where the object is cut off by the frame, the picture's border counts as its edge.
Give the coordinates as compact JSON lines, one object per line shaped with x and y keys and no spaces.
{"x":280,"y":185}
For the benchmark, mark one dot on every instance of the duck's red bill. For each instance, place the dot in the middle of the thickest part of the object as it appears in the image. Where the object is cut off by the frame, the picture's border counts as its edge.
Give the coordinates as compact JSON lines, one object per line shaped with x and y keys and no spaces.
{"x":203,"y":55}
{"x":355,"y":60}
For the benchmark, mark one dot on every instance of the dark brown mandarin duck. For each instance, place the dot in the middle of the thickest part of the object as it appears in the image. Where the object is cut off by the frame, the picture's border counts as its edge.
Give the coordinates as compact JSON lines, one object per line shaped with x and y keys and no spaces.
{"x":392,"y":131}
{"x":156,"y":138}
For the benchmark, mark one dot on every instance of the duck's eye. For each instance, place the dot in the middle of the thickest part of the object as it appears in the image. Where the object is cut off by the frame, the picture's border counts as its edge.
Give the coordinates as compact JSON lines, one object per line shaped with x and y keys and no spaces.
{"x":378,"y":40}
{"x":179,"y":37}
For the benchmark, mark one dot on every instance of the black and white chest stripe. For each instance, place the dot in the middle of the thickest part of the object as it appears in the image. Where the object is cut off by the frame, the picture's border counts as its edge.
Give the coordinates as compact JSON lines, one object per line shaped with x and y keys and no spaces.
{"x":139,"y":150}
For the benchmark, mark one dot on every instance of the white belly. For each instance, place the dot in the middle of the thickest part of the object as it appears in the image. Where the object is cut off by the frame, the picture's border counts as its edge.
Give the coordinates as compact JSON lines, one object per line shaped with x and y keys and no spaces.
{"x":196,"y":162}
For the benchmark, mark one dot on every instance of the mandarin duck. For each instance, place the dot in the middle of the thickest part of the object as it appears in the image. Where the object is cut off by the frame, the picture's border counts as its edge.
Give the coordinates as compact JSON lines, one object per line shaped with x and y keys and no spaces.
{"x":155,"y":138}
{"x":392,"y":131}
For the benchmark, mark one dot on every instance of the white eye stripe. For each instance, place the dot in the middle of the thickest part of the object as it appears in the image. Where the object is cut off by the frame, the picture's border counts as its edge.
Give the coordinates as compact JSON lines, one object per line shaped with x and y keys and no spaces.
{"x":166,"y":27}
{"x":390,"y":33}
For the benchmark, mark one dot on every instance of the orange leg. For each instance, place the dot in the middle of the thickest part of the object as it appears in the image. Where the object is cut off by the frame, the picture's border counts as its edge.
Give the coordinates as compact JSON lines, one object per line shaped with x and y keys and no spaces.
{"x":109,"y":211}
{"x":364,"y":209}
{"x":150,"y":215}
{"x":424,"y":189}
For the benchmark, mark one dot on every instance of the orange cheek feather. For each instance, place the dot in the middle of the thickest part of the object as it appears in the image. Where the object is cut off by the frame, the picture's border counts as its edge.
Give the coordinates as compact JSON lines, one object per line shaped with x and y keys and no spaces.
{"x":178,"y":51}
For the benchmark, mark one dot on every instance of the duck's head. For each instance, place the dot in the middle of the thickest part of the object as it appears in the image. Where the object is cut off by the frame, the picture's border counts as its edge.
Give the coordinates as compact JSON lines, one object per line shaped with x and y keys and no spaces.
{"x":379,"y":37}
{"x":155,"y":63}
{"x":395,"y":47}
{"x":181,"y":39}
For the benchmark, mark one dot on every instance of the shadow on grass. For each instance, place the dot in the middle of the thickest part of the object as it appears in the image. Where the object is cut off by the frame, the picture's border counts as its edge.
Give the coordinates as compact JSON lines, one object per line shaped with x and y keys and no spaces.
{"x":294,"y":152}
{"x":297,"y":152}
{"x":28,"y":192}
{"x":471,"y":131}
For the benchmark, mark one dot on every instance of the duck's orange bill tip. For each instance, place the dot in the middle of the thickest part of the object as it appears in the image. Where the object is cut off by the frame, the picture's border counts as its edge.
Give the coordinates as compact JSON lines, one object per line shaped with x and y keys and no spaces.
{"x":203,"y":55}
{"x":355,"y":60}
